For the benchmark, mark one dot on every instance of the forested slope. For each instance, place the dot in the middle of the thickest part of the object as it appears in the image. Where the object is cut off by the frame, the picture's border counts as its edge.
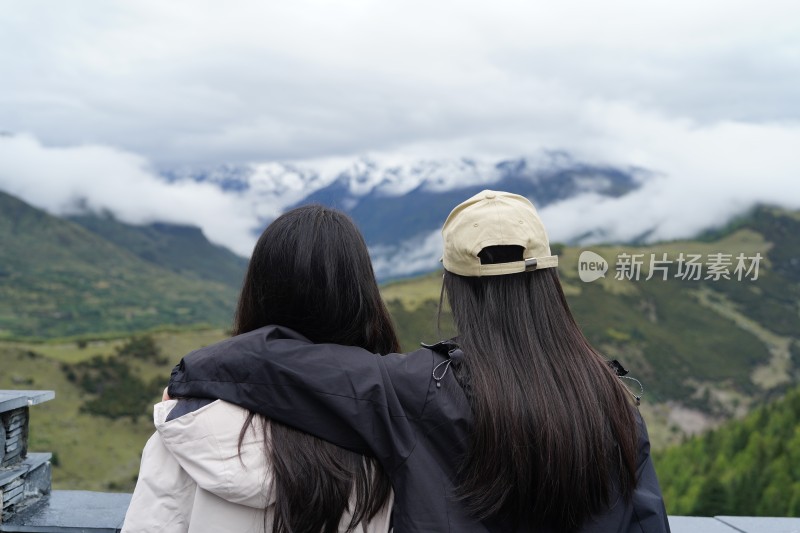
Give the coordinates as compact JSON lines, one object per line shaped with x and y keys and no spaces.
{"x":746,"y":467}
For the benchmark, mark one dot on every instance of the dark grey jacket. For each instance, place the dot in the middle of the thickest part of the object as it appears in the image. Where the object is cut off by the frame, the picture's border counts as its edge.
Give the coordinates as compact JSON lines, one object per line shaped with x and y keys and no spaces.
{"x":391,"y":407}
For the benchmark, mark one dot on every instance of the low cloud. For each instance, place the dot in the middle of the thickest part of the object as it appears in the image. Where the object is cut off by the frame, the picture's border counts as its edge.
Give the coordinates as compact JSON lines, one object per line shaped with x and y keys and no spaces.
{"x":700,"y":176}
{"x":409,"y":257}
{"x":99,"y":178}
{"x":704,"y":175}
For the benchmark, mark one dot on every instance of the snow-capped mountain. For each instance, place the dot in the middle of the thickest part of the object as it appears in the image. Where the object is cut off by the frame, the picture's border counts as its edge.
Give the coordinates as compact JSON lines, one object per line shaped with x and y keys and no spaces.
{"x":400,"y":205}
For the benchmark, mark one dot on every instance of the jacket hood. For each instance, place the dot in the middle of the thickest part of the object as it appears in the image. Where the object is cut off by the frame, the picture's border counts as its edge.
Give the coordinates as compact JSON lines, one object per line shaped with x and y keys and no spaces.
{"x":205,"y":443}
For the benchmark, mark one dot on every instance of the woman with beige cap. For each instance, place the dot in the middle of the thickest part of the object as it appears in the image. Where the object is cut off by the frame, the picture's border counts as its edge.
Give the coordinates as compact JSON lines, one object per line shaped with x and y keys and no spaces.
{"x":519,"y":424}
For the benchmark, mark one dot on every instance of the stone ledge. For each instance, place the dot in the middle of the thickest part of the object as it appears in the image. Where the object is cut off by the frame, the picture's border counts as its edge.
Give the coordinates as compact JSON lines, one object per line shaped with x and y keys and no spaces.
{"x":733,"y":524}
{"x":72,"y":511}
{"x":23,"y":484}
{"x":97,"y":512}
{"x":13,"y":399}
{"x":31,"y":462}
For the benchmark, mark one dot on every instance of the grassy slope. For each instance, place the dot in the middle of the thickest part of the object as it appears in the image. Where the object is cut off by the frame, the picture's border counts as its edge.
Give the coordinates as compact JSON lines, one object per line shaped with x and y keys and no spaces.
{"x":57,"y":279}
{"x":93,"y":453}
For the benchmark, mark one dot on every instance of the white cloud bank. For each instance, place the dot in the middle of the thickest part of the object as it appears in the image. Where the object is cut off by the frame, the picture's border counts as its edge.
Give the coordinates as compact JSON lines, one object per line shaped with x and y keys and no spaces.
{"x":97,"y":178}
{"x":706,"y":174}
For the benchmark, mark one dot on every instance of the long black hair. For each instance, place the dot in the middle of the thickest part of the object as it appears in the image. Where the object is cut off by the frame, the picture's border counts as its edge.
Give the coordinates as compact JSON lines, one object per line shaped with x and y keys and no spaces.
{"x":310,"y":271}
{"x":554,"y":437}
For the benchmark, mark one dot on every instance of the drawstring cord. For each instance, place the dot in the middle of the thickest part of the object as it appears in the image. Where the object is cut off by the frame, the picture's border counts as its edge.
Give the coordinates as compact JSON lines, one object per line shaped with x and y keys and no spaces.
{"x":637,"y":397}
{"x":621,"y":373}
{"x":438,"y":379}
{"x":454,"y":354}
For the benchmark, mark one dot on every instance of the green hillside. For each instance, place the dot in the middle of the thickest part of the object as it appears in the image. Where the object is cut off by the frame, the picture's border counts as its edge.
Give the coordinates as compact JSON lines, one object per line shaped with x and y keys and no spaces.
{"x":180,"y":249}
{"x":58,"y":279}
{"x":746,"y":467}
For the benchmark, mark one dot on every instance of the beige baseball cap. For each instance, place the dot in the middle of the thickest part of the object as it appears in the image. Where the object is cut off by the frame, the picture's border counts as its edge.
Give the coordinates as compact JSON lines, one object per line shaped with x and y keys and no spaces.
{"x":494,"y":218}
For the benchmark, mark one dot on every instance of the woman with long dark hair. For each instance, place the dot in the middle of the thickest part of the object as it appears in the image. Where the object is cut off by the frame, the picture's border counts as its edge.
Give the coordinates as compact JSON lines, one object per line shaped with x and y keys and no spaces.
{"x":212,"y":466}
{"x":518,"y":424}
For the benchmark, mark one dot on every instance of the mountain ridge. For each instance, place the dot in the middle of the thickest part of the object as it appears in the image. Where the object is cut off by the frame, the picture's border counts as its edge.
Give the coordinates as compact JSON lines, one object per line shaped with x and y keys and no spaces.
{"x":399,"y":204}
{"x":182,"y":249}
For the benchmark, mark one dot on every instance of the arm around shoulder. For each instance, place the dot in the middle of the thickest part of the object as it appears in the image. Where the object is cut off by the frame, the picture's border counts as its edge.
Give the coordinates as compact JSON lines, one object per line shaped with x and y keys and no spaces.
{"x":343,"y":394}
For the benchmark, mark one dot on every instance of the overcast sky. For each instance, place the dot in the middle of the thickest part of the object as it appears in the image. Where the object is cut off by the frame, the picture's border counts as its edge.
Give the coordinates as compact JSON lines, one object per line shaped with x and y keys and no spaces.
{"x":100,"y":95}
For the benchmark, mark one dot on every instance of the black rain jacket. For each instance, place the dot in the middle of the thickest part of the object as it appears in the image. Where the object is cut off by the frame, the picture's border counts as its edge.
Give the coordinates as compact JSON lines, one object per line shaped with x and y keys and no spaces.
{"x":406,"y":410}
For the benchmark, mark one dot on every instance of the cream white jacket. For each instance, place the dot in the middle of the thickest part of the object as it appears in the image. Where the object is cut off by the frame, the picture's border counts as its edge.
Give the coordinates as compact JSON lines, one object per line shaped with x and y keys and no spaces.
{"x":192,"y":478}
